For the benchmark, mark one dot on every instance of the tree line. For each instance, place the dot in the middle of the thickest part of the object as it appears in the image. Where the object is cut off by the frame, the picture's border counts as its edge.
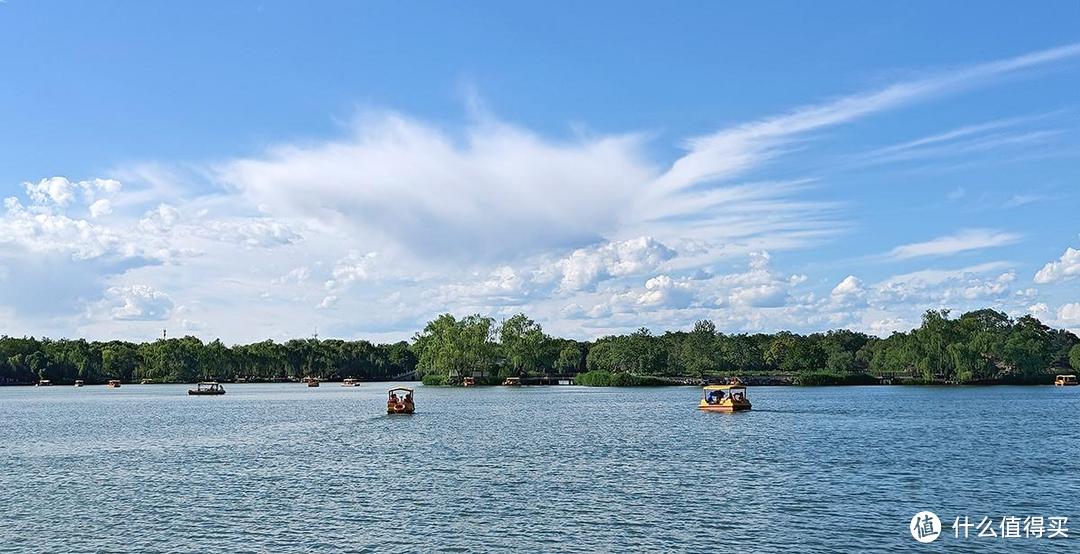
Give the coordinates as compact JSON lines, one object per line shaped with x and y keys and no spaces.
{"x":188,"y":359}
{"x":979,"y":346}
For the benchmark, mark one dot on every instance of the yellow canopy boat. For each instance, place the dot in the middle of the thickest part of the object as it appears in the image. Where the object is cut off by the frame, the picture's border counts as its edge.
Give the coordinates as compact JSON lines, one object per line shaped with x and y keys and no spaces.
{"x":724,"y":398}
{"x":400,"y":404}
{"x":1066,"y":381}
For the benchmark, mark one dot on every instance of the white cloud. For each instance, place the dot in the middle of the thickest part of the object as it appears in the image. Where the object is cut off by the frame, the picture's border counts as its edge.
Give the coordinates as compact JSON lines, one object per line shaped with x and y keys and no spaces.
{"x":759,"y":287}
{"x":138,"y":303}
{"x":353,"y":267}
{"x":1069,"y":313}
{"x":963,"y":241}
{"x":298,"y":275}
{"x":100,"y":208}
{"x":47,"y":232}
{"x":498,"y":191}
{"x":664,"y":291}
{"x":935,"y":285}
{"x":850,"y":286}
{"x":1065,"y":268}
{"x":259,"y":232}
{"x":590,"y":233}
{"x":586,"y":267}
{"x":159,"y":220}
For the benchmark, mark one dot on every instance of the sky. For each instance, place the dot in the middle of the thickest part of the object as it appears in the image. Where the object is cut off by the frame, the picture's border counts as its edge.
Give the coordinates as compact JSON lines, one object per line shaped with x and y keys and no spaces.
{"x":253,"y":170}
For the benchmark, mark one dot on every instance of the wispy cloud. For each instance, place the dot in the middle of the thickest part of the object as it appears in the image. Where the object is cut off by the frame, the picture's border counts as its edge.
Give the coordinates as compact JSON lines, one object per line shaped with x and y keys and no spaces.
{"x":733,"y":151}
{"x":963,"y":241}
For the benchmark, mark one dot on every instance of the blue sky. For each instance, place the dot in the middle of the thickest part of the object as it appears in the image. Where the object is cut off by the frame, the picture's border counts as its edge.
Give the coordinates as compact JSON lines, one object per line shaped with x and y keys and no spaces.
{"x":259,"y":169}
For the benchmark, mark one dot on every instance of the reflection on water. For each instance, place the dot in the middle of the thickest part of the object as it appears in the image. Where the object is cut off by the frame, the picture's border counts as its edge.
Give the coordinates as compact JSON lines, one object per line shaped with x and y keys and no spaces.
{"x":283,"y":467}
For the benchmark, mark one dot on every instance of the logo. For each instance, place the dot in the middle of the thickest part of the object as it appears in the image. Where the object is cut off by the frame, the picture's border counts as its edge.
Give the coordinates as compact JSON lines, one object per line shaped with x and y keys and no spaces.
{"x":925,"y":527}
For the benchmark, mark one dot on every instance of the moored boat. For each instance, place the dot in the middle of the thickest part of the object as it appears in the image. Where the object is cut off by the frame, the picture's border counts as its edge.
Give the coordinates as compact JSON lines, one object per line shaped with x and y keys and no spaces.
{"x":400,"y":404}
{"x":78,"y":382}
{"x":350,"y":383}
{"x":468,"y":382}
{"x":113,"y":384}
{"x":1066,"y":381}
{"x":512,"y":382}
{"x":207,"y":388}
{"x":44,"y":383}
{"x":724,"y":398}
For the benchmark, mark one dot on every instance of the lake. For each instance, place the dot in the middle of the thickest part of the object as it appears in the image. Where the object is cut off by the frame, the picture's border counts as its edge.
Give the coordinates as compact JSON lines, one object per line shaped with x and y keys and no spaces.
{"x":283,"y":467}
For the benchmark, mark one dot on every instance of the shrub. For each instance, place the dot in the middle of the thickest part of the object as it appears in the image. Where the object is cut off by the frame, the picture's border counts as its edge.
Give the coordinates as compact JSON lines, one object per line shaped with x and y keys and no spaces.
{"x":434,"y":379}
{"x":602,"y":378}
{"x":823,"y":378}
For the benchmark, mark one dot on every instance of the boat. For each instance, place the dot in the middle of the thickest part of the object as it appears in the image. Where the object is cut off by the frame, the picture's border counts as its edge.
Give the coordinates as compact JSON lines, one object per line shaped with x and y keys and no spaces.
{"x":312,"y":382}
{"x":78,"y":382}
{"x":207,"y":388}
{"x":468,"y":382}
{"x":1066,"y":381}
{"x":350,"y":383}
{"x":44,"y":383}
{"x":724,"y":398}
{"x":512,"y":382}
{"x":400,"y":404}
{"x":113,"y":384}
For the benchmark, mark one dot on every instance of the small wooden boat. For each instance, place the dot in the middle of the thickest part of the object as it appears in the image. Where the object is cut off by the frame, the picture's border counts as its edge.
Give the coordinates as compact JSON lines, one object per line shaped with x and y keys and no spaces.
{"x":400,"y":404}
{"x":313,"y":382}
{"x":512,"y":382}
{"x":1066,"y":381}
{"x":44,"y":383}
{"x":724,"y":398}
{"x":78,"y":382}
{"x":350,"y":383}
{"x":113,"y":384}
{"x":468,"y":382}
{"x":208,"y":388}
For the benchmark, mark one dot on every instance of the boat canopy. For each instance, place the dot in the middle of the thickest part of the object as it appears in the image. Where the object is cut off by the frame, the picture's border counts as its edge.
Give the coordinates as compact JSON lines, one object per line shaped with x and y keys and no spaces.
{"x":400,"y":388}
{"x":725,"y":387}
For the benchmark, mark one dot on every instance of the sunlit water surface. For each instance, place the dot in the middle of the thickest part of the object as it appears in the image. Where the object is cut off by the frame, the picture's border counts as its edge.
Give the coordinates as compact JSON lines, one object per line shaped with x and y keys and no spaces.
{"x":283,"y":467}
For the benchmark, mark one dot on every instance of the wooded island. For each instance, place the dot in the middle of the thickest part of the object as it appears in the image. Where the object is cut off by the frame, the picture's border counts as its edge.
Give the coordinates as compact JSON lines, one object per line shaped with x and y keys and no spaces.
{"x":979,"y":346}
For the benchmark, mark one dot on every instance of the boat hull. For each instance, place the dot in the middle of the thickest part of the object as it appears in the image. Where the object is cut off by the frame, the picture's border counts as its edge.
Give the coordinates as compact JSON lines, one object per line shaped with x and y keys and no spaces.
{"x":205,"y":393}
{"x":728,"y":408}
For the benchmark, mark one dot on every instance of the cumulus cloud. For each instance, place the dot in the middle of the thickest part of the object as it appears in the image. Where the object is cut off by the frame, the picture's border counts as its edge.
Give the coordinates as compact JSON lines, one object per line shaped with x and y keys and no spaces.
{"x":936,"y":285}
{"x":252,"y":232}
{"x":48,"y":232}
{"x":759,"y":286}
{"x":970,"y":239}
{"x":585,"y":267}
{"x":354,"y":267}
{"x":850,"y":286}
{"x":138,"y":303}
{"x":1063,"y":269}
{"x":1069,"y":313}
{"x":62,"y":192}
{"x":488,"y":217}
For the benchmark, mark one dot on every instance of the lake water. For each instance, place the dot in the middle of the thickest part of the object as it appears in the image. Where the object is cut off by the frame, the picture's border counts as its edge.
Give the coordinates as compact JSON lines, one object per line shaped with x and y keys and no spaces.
{"x":283,"y":467}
